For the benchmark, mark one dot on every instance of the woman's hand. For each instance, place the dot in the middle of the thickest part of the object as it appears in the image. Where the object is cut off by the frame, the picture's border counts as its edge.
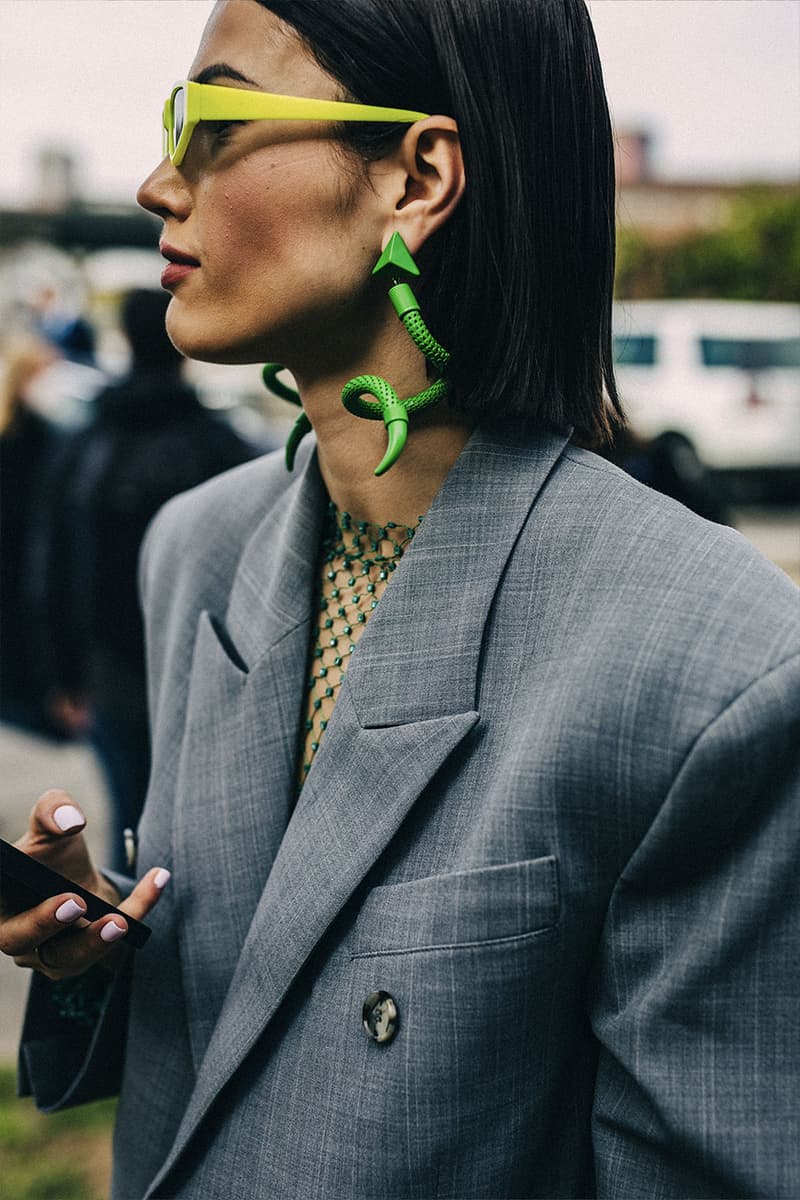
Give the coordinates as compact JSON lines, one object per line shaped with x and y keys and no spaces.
{"x":54,"y":938}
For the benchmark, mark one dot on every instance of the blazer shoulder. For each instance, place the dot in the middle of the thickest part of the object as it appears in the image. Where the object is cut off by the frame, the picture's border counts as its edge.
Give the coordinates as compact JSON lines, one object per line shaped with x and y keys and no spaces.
{"x":211,"y":523}
{"x":624,"y":515}
{"x":650,"y":582}
{"x":232,"y":501}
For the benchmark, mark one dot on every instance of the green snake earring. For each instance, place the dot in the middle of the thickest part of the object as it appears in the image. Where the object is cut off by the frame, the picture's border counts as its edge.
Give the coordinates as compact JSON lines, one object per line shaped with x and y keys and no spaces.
{"x":302,"y":425}
{"x":394,"y":262}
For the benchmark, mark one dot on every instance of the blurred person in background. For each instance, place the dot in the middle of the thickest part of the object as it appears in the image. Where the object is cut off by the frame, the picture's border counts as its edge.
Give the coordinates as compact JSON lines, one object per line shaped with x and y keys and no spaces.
{"x":74,"y":378}
{"x":149,"y":438}
{"x":28,"y":445}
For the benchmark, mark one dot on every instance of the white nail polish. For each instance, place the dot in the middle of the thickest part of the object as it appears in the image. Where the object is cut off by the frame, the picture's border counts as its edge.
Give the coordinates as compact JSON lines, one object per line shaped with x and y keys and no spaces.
{"x":112,"y":931}
{"x":162,"y":878}
{"x":69,"y":911}
{"x":68,"y":817}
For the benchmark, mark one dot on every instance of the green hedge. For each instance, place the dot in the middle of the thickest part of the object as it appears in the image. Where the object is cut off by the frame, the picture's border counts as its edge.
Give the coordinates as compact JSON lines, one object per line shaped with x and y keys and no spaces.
{"x":65,"y":1156}
{"x":756,"y":256}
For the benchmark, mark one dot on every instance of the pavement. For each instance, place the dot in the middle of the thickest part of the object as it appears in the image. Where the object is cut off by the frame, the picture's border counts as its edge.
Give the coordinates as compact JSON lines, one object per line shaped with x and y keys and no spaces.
{"x":29,"y":766}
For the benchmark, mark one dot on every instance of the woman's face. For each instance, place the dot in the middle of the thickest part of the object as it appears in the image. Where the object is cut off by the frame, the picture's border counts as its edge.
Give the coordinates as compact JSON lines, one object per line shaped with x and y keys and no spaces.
{"x":284,"y":228}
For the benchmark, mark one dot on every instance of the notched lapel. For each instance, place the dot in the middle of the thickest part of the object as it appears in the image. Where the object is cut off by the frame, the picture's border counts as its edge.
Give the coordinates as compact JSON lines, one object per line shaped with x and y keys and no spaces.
{"x":235,"y":785}
{"x":273,"y":589}
{"x":421,"y":649}
{"x":237,"y":771}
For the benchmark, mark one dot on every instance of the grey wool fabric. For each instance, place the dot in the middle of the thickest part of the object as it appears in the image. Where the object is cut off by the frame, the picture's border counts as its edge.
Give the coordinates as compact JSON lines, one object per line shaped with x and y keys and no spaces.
{"x":555,"y":817}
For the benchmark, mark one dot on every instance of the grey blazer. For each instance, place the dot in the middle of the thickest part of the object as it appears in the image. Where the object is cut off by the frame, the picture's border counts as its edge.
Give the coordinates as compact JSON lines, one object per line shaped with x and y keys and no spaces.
{"x":554,"y":817}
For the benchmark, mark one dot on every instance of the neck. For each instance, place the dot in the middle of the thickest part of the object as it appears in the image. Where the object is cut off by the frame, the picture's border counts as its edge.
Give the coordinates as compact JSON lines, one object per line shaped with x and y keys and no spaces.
{"x":348,"y":457}
{"x":349,"y":448}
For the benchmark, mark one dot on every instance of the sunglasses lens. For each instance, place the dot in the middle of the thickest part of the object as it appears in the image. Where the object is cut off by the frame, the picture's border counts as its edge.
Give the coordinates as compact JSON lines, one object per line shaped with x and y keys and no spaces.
{"x":178,"y":115}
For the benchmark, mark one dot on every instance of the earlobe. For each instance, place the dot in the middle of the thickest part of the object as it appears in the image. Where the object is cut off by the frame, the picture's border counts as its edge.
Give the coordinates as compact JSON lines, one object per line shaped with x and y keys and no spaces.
{"x":435,"y":180}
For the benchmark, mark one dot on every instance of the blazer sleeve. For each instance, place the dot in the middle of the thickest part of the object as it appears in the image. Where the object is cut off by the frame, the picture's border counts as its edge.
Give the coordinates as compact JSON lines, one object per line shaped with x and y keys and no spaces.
{"x":695,"y":1003}
{"x":69,"y":1059}
{"x":74,"y":1032}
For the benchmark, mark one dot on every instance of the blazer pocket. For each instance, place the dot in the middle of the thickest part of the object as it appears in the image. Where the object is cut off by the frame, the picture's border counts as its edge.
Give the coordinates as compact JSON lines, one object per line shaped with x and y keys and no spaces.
{"x":213,"y":637}
{"x":465,"y":908}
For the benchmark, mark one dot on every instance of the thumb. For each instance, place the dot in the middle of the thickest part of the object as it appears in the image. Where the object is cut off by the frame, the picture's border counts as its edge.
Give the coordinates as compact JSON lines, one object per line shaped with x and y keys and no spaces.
{"x":55,"y":837}
{"x":53,"y":815}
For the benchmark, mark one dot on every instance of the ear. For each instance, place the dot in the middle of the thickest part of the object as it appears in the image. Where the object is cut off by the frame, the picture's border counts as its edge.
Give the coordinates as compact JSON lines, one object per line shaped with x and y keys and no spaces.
{"x":425,"y":180}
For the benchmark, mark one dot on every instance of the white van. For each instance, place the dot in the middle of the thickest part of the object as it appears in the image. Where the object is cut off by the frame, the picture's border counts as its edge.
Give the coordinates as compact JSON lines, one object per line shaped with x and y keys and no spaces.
{"x":724,"y":376}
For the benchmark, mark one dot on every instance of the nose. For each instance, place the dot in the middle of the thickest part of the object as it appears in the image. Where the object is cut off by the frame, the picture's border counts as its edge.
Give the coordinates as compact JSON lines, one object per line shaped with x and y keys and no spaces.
{"x":165,"y":192}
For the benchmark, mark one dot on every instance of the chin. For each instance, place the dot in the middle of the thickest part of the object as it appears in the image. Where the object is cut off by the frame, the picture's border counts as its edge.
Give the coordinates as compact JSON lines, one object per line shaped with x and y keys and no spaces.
{"x":228,"y":355}
{"x":203,"y":345}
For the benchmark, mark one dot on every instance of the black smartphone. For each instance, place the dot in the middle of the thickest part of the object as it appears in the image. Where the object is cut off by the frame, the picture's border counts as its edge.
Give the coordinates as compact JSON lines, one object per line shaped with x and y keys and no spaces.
{"x":25,"y":882}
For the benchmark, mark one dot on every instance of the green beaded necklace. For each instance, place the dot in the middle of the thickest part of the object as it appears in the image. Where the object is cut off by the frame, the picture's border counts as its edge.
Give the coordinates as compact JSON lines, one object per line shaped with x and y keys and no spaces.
{"x":358,"y":559}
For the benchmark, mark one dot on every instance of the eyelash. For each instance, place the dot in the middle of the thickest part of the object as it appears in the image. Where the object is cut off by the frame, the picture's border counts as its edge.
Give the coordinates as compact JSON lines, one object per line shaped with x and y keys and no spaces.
{"x":221,"y":129}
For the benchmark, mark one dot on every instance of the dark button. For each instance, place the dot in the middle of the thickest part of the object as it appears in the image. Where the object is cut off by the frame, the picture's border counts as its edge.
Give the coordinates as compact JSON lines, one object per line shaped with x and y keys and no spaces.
{"x":380,"y":1016}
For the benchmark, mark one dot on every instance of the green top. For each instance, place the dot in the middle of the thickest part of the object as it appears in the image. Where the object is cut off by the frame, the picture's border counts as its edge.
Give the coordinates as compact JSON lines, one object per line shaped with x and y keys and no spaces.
{"x":358,"y":559}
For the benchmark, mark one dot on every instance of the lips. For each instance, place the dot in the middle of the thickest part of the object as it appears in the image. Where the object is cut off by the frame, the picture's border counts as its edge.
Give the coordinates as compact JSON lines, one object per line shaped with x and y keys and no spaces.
{"x":179,"y":266}
{"x":177,"y":256}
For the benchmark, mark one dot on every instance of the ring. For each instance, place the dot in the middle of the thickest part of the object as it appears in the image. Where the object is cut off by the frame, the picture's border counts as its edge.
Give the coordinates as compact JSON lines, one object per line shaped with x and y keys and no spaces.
{"x":37,"y":950}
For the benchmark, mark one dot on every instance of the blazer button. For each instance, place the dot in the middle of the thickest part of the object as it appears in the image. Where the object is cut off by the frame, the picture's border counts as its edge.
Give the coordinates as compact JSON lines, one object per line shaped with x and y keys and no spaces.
{"x":380,"y":1016}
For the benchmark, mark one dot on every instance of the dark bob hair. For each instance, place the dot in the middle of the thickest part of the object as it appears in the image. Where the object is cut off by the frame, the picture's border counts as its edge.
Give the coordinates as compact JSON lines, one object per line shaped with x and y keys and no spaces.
{"x":518,"y":284}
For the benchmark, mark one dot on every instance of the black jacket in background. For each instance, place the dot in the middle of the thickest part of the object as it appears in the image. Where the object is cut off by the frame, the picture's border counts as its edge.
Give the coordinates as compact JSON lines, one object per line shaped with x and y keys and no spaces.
{"x":150,"y":439}
{"x":27,"y":451}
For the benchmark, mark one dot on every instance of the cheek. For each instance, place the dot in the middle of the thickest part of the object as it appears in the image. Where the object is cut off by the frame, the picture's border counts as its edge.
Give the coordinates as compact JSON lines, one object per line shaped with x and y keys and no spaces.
{"x":274,"y":225}
{"x":241,"y":226}
{"x":241,"y":222}
{"x":278,"y":254}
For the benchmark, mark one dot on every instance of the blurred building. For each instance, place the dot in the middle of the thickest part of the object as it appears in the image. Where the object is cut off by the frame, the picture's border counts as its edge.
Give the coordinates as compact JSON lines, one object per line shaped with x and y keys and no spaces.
{"x":57,"y":179}
{"x":664,"y":209}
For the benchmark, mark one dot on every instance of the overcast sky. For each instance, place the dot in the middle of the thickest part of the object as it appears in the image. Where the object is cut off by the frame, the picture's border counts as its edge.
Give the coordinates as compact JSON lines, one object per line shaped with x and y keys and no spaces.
{"x":716,"y":81}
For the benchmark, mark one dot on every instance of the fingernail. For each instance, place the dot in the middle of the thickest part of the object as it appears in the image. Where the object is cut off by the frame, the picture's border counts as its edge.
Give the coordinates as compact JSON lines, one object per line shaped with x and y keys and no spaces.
{"x":68,"y":817}
{"x":68,"y":911}
{"x":162,"y":878}
{"x":112,"y":931}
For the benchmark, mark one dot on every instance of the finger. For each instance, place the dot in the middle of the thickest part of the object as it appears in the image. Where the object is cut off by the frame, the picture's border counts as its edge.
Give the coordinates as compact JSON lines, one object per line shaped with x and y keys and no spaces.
{"x":53,"y":815}
{"x":21,"y":933}
{"x":137,"y":905}
{"x":146,"y":894}
{"x":73,"y":952}
{"x":68,"y":954}
{"x":55,"y":837}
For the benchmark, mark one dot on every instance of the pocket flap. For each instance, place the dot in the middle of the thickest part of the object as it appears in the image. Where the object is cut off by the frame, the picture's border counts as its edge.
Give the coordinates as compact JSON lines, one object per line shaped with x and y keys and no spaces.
{"x":480,"y":905}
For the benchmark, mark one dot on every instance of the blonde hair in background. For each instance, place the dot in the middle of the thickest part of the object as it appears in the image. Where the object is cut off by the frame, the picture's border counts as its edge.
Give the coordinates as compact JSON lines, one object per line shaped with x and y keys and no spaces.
{"x":23,"y":357}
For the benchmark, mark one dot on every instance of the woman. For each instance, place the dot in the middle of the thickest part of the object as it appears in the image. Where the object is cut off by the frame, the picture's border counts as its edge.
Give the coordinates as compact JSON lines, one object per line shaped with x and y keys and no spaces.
{"x":523,"y":925}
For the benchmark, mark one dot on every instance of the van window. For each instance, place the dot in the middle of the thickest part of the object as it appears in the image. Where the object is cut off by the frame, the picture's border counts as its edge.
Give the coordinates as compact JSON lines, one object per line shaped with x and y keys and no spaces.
{"x":633,"y":351}
{"x":752,"y":355}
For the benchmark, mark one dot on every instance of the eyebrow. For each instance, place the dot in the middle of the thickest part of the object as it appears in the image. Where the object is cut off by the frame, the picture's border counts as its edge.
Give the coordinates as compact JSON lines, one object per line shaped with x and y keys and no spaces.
{"x":221,"y":71}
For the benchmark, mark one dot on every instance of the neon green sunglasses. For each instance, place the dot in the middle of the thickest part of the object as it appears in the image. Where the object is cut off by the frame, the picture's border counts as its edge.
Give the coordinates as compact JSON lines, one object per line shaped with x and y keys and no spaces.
{"x":190,"y":103}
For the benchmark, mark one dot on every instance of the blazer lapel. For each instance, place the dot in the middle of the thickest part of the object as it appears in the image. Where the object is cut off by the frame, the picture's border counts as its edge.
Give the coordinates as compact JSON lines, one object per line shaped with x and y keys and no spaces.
{"x":236,"y":780}
{"x":408,"y":699}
